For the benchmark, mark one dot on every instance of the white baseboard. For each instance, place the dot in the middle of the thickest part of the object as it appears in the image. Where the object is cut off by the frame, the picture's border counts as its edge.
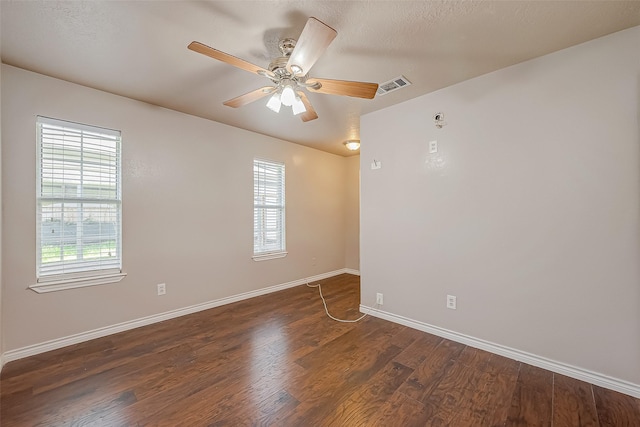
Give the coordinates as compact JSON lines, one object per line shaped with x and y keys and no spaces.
{"x":521,"y":356}
{"x":54,"y":344}
{"x":352,"y":271}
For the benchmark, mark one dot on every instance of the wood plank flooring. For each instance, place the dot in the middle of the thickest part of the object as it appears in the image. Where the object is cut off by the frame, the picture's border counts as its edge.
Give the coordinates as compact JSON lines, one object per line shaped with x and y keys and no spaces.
{"x":278,"y":360}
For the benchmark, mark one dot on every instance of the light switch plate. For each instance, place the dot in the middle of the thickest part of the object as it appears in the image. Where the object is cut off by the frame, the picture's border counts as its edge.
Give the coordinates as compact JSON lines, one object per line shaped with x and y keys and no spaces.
{"x":376,"y":164}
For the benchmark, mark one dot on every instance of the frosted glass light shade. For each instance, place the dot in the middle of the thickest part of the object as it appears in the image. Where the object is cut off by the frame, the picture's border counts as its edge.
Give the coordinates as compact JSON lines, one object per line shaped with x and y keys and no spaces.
{"x":274,"y":103}
{"x":288,"y":96}
{"x":298,"y":106}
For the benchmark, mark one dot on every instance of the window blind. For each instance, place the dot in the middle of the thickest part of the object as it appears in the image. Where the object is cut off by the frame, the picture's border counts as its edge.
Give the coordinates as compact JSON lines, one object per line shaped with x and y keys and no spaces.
{"x":268,"y":207}
{"x":78,"y":199}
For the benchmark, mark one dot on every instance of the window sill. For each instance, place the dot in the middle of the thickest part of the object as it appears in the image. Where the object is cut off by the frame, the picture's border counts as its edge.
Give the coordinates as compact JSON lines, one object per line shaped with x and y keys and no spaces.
{"x":273,"y":255}
{"x":77,"y":282}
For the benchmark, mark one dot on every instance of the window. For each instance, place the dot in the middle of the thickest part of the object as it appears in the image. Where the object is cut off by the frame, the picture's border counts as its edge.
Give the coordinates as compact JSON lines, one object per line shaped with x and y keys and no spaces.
{"x":78,"y":192}
{"x":268,"y":210}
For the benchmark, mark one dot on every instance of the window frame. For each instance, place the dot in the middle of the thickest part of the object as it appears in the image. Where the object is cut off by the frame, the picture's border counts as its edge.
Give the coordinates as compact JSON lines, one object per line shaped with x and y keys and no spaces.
{"x":84,"y":275}
{"x":265,"y":252}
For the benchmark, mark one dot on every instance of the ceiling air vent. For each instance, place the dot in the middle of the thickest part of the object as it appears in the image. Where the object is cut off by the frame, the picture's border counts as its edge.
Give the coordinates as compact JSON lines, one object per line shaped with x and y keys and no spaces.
{"x":393,"y":84}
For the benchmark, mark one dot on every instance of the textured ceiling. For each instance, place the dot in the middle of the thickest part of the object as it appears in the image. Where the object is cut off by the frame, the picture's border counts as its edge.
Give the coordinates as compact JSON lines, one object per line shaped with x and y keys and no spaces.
{"x":139,"y":49}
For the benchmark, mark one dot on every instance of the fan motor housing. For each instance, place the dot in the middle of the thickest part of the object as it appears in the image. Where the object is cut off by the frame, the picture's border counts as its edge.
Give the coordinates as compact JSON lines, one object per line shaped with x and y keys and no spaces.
{"x":279,"y":66}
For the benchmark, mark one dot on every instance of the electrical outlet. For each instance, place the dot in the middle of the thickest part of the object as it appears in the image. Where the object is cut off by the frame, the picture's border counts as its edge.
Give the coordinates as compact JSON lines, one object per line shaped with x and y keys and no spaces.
{"x":451,"y":302}
{"x":162,"y":288}
{"x":433,"y":147}
{"x":379,"y":299}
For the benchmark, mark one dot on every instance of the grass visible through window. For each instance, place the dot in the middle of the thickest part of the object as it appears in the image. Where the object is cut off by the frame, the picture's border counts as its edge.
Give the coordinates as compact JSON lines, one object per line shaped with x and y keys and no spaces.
{"x":51,"y":253}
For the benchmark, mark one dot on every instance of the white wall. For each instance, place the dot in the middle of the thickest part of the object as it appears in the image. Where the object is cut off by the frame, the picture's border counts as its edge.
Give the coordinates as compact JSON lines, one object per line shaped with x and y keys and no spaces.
{"x":187,"y":209}
{"x":529,"y":212}
{"x":1,"y":220}
{"x":352,"y":213}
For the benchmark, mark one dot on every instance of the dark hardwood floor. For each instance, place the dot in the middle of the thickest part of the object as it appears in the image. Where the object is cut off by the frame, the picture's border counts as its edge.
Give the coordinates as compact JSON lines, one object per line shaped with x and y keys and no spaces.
{"x":278,"y":360}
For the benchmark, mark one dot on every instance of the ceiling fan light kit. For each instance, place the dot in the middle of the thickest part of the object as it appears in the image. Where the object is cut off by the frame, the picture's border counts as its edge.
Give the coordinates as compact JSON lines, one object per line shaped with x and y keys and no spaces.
{"x":289,"y":73}
{"x":287,"y":97}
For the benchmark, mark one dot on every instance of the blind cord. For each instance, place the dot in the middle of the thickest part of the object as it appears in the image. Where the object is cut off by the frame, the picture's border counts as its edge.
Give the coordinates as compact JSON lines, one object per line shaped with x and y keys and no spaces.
{"x":326,"y":310}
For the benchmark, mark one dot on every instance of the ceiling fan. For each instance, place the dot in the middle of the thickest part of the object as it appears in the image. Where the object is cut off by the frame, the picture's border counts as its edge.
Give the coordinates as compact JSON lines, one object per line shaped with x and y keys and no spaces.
{"x":289,"y":73}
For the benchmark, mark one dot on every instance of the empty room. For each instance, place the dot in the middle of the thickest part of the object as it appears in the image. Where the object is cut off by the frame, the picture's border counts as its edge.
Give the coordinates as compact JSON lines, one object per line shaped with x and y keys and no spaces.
{"x":320,"y":213}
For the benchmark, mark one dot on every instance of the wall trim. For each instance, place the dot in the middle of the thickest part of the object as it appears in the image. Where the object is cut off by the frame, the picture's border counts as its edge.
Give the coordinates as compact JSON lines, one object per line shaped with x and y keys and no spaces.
{"x":352,"y":271}
{"x":591,"y":377}
{"x":57,"y":343}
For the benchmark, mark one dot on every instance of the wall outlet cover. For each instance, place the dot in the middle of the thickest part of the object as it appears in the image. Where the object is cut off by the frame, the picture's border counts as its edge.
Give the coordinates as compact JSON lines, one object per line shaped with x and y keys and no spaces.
{"x":451,"y":302}
{"x":433,"y":147}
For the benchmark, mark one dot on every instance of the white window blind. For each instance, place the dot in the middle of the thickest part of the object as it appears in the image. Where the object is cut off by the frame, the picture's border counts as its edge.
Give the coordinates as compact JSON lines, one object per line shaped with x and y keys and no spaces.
{"x":79,"y":229}
{"x":268,"y":209}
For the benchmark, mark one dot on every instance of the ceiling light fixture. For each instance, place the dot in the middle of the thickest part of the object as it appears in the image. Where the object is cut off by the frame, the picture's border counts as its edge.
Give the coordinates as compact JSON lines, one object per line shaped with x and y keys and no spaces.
{"x":352,"y":145}
{"x":286,"y":95}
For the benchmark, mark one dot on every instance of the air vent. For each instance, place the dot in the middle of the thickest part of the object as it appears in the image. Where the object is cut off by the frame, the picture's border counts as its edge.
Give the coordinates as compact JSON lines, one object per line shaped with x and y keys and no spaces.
{"x":393,"y":84}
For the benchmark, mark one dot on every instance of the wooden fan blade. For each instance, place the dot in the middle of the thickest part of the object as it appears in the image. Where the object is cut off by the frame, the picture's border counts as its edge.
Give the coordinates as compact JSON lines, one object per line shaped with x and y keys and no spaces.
{"x":345,"y":88}
{"x":250,"y":97}
{"x":310,"y":114}
{"x":229,"y":59}
{"x":315,"y":38}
